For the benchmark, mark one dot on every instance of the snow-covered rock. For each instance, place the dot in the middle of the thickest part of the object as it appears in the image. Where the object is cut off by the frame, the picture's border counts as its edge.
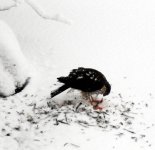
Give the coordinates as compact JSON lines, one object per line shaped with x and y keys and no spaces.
{"x":14,"y":68}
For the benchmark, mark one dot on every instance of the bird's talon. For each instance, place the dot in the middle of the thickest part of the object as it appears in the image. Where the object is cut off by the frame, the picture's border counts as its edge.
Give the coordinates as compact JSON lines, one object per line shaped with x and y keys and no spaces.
{"x":96,"y":100}
{"x":95,"y":103}
{"x":98,"y":108}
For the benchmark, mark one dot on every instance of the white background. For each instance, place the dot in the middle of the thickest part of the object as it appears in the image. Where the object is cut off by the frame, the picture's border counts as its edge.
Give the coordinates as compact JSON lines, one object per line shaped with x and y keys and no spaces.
{"x":116,"y":37}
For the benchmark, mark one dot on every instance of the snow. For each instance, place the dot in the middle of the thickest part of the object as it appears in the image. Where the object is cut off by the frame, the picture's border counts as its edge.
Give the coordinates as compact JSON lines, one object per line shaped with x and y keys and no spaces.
{"x":14,"y":66}
{"x":114,"y":37}
{"x":39,"y":10}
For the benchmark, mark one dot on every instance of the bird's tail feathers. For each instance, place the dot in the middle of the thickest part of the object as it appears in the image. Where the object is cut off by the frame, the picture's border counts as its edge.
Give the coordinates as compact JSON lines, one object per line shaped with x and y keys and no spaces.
{"x":59,"y":90}
{"x":62,"y":79}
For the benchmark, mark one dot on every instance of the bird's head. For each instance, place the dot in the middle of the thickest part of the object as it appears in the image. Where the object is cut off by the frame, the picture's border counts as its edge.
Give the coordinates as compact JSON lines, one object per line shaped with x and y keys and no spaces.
{"x":106,"y":89}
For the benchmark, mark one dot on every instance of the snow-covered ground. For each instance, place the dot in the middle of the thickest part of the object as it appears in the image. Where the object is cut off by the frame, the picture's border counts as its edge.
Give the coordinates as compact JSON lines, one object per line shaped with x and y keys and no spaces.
{"x":115,"y":37}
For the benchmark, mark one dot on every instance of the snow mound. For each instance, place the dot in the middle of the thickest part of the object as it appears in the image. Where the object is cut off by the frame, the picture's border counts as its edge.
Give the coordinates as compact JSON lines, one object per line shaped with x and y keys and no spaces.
{"x":14,"y":68}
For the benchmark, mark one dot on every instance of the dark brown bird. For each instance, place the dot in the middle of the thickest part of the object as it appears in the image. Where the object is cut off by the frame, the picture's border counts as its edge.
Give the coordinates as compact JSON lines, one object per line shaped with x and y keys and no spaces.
{"x":87,"y":80}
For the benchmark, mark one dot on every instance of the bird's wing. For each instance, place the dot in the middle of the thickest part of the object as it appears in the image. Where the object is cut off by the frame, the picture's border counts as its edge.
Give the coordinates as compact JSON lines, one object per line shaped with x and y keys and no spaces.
{"x":84,"y":79}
